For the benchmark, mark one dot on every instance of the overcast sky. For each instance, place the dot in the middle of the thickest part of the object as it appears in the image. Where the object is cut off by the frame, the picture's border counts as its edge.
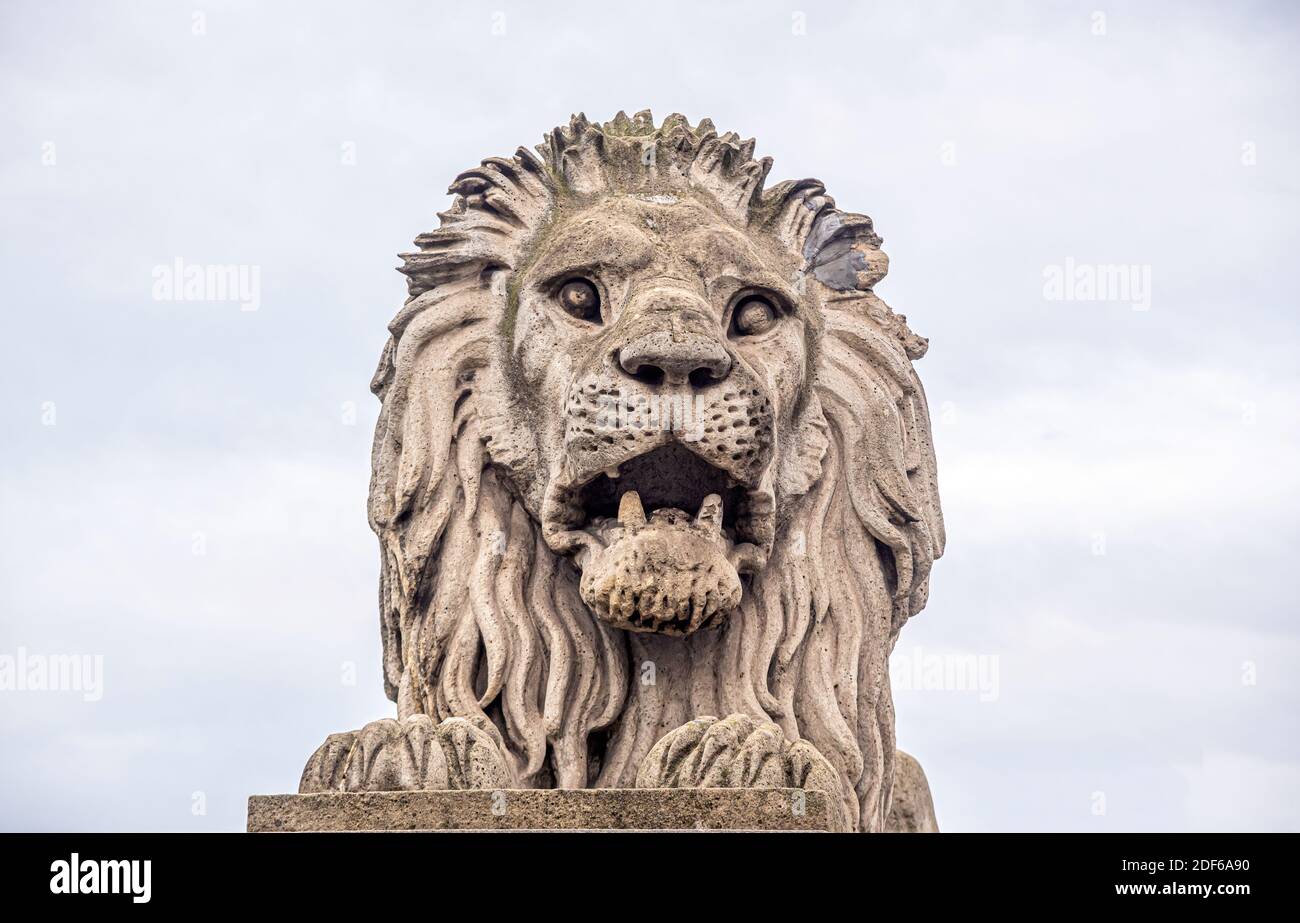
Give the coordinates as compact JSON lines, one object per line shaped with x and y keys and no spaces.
{"x":183,"y":483}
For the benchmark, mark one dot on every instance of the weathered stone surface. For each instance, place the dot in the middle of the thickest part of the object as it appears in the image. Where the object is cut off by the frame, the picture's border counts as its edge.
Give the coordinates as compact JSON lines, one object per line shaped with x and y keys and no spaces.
{"x":911,"y":810}
{"x":653,"y":482}
{"x":542,"y":809}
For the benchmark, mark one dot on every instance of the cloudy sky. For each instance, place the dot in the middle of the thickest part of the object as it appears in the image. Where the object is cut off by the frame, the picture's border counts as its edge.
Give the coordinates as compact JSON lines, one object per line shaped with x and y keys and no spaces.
{"x":183,"y":483}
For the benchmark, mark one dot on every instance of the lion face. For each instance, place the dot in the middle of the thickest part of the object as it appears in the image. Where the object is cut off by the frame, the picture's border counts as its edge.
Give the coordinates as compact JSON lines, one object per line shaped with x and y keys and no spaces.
{"x":663,"y":352}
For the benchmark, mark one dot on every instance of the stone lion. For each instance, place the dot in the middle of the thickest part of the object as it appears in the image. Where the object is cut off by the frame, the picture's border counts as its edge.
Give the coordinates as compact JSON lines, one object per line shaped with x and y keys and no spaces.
{"x":653,"y":482}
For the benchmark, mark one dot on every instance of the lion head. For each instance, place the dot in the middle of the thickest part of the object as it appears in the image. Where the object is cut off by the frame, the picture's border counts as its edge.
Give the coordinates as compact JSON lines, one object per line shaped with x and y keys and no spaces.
{"x":650,"y":448}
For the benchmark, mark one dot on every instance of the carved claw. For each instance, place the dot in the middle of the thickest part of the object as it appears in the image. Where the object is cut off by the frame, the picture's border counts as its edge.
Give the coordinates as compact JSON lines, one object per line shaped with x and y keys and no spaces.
{"x":409,"y":755}
{"x":739,"y":751}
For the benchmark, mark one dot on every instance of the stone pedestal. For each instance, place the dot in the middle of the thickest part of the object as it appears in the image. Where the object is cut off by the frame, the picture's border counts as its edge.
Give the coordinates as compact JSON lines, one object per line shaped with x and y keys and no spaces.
{"x":542,"y":809}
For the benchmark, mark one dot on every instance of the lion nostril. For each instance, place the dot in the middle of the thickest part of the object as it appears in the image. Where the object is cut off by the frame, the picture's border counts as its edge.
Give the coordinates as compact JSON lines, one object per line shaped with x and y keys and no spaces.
{"x":649,"y":374}
{"x":704,"y":376}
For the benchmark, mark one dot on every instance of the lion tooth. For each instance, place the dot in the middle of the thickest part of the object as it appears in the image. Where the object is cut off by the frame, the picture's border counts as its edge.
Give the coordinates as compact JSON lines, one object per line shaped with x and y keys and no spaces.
{"x":612,"y":473}
{"x":630,"y":510}
{"x":710,"y":513}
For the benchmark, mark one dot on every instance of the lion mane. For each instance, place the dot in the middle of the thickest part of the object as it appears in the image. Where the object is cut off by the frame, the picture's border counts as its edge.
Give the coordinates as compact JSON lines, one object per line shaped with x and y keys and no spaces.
{"x":482,"y":620}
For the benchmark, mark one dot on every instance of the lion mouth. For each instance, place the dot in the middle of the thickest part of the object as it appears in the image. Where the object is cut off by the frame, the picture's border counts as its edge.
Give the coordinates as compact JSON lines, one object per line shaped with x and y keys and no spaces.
{"x":669,"y":484}
{"x":670,"y":477}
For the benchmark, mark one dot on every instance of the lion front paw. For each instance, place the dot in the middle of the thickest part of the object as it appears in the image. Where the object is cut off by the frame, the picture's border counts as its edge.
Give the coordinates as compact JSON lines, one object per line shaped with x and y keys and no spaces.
{"x":738,"y":751}
{"x":408,"y":755}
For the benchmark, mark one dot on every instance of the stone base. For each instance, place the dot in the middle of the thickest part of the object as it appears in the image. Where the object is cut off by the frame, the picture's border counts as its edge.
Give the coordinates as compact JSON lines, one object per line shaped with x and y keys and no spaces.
{"x":542,"y":809}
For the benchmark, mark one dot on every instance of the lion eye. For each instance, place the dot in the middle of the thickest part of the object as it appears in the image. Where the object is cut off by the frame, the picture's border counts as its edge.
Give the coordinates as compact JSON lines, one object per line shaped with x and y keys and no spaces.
{"x":754,"y":316}
{"x":580,"y":298}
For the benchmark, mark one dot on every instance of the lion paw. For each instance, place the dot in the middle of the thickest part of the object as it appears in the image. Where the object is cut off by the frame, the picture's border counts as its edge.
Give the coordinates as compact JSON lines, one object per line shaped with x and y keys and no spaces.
{"x":409,"y":755}
{"x":737,"y":752}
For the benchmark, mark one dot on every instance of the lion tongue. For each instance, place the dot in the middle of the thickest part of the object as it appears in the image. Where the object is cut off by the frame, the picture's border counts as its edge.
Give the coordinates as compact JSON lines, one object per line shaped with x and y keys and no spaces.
{"x":666,"y":572}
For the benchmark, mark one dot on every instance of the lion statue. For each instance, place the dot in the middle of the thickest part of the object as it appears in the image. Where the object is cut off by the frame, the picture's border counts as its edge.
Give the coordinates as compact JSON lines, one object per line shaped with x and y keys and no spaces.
{"x":653,"y":483}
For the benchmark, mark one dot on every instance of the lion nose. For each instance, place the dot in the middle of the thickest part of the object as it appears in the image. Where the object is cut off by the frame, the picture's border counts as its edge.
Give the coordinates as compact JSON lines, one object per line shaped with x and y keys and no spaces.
{"x":675,"y":357}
